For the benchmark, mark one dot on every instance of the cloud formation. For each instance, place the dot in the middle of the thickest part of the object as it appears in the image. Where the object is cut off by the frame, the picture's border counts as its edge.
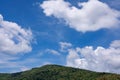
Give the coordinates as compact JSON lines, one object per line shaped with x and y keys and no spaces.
{"x":100,"y":59}
{"x":64,"y":46}
{"x":13,"y":38}
{"x":51,"y":51}
{"x":90,"y":16}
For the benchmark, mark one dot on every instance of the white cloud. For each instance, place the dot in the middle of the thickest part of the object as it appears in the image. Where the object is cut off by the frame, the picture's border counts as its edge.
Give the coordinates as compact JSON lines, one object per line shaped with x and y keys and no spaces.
{"x":115,"y":44}
{"x":51,"y":51}
{"x":100,"y":59}
{"x":64,"y":46}
{"x":13,"y":38}
{"x":93,"y":15}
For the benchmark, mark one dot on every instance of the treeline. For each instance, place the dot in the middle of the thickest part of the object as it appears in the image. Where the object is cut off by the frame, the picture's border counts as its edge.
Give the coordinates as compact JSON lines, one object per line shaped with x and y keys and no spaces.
{"x":55,"y":72}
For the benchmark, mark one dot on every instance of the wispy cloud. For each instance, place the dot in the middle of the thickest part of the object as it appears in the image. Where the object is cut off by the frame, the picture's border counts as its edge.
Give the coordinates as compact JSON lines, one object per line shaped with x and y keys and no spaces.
{"x":51,"y":51}
{"x":114,"y":3}
{"x":64,"y":46}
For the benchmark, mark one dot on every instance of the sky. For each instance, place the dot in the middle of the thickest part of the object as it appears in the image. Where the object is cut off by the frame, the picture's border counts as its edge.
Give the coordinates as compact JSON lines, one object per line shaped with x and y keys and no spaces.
{"x":77,"y":33}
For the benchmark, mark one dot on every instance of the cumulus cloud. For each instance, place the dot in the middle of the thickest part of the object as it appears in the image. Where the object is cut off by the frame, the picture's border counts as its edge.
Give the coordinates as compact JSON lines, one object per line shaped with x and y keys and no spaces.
{"x":100,"y":59}
{"x":13,"y":38}
{"x":90,"y":16}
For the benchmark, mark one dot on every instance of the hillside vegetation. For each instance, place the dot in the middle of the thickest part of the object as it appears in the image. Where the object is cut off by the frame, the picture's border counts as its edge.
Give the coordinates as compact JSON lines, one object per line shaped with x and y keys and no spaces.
{"x":55,"y":72}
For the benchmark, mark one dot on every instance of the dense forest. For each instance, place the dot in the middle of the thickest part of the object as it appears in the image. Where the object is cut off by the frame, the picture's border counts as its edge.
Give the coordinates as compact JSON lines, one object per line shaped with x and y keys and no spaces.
{"x":56,"y":72}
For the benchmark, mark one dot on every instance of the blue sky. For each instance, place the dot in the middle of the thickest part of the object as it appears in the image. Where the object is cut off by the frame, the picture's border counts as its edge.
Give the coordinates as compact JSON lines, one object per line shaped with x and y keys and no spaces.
{"x":54,"y":38}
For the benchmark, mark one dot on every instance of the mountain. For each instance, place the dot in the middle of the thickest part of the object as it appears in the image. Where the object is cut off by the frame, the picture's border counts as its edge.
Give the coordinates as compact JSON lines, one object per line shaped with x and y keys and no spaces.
{"x":56,"y":72}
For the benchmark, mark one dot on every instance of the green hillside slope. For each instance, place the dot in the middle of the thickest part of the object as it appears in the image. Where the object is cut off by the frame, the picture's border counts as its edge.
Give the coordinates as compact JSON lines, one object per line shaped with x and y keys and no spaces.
{"x":55,"y":72}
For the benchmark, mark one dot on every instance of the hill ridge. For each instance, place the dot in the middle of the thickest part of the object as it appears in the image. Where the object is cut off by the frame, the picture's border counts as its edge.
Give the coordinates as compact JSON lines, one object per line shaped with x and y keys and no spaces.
{"x":58,"y":72}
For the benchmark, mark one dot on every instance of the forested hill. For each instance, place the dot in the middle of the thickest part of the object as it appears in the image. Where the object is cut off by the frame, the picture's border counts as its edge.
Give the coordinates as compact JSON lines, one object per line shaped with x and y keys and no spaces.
{"x":55,"y":72}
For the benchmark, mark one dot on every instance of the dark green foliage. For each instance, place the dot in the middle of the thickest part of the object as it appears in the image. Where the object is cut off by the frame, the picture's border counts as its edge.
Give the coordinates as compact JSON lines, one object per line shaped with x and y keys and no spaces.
{"x":55,"y":72}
